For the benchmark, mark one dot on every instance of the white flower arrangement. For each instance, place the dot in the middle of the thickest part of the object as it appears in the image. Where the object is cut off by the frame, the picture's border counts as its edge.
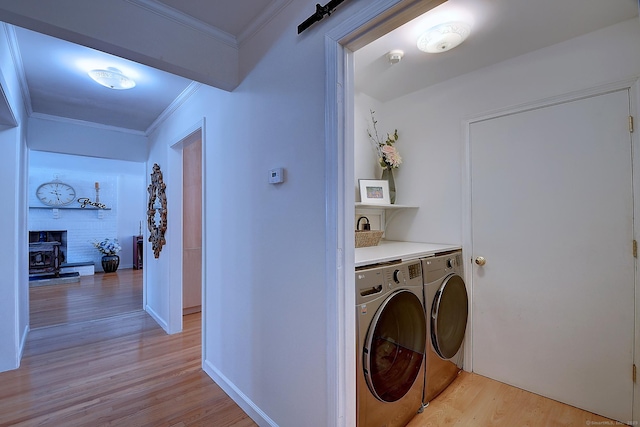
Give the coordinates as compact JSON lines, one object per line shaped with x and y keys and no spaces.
{"x":388,"y":155}
{"x":108,"y":246}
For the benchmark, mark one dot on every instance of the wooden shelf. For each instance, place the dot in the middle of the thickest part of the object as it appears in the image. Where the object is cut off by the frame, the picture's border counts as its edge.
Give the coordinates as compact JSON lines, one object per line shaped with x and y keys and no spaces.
{"x":383,"y":206}
{"x":78,"y":208}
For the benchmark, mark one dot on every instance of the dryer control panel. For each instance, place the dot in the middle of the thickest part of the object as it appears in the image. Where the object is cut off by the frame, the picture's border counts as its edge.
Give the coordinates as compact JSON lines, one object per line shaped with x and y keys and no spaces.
{"x":371,"y":282}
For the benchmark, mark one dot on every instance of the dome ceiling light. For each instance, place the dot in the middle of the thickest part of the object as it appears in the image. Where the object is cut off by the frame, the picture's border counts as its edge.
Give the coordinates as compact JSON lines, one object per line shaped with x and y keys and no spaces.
{"x":112,"y":78}
{"x":443,"y":37}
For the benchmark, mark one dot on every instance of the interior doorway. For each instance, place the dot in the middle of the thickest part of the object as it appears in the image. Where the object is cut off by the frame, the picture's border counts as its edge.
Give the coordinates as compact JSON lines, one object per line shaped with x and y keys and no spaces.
{"x":192,"y":224}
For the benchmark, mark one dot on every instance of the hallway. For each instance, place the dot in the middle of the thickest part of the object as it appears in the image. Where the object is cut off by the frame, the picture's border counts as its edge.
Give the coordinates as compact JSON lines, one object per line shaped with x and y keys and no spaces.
{"x":117,"y":369}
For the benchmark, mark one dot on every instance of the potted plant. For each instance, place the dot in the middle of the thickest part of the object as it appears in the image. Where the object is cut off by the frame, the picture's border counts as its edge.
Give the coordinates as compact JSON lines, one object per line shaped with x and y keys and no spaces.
{"x":109,"y":249}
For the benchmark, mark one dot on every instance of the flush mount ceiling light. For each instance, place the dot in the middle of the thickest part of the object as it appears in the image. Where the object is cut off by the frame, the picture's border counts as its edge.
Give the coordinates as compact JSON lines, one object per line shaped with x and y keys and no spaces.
{"x":112,"y":78}
{"x":443,"y":37}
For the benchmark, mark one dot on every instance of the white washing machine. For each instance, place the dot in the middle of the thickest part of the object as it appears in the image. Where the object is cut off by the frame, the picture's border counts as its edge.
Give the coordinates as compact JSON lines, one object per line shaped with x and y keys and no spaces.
{"x":446,"y":312}
{"x":391,"y":341}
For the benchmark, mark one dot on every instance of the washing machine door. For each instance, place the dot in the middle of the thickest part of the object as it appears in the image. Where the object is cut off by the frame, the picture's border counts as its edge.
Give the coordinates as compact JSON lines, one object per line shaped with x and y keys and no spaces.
{"x":394,"y":347}
{"x":449,"y":316}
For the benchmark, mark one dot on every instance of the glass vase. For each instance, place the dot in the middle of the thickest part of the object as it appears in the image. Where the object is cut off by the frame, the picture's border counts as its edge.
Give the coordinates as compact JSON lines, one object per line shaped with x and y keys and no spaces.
{"x":387,"y":174}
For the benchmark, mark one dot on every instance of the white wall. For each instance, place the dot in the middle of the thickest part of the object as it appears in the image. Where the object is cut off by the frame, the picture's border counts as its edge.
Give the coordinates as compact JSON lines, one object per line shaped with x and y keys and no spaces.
{"x":430,"y":122}
{"x":265,"y":283}
{"x":366,"y":164}
{"x":14,"y":304}
{"x":84,"y":139}
{"x":122,"y":190}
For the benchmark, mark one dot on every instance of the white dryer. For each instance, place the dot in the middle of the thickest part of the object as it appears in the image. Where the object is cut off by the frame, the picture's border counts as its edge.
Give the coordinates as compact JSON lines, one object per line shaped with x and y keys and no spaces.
{"x":446,"y":310}
{"x":391,"y":341}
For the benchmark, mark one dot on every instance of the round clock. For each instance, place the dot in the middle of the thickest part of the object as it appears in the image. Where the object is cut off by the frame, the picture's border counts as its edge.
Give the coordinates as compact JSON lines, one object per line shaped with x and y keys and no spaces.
{"x":56,"y":193}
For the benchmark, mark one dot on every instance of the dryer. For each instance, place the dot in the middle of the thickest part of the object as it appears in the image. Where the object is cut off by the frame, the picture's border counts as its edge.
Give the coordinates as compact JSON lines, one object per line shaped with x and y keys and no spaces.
{"x":446,"y":311}
{"x":391,"y":341}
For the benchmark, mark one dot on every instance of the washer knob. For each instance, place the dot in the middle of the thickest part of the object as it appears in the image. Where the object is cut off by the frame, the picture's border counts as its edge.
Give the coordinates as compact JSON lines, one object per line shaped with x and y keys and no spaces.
{"x":451,"y":263}
{"x":398,"y":276}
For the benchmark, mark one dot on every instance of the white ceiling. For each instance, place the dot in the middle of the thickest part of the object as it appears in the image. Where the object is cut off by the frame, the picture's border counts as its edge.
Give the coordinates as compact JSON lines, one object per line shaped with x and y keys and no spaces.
{"x":57,"y":84}
{"x":500,"y":29}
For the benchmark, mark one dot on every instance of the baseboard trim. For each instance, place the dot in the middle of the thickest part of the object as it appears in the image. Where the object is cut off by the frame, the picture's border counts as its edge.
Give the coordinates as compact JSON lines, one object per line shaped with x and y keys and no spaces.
{"x":254,"y":412}
{"x":159,"y":320}
{"x":23,"y":343}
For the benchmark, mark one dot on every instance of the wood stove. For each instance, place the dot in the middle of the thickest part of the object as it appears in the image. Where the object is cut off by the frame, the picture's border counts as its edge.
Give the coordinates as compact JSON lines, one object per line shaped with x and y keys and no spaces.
{"x":47,"y":251}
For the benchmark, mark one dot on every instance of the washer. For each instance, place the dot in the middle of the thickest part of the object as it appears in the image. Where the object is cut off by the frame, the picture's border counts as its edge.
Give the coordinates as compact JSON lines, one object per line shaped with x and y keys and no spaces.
{"x":391,"y":341}
{"x":446,"y":312}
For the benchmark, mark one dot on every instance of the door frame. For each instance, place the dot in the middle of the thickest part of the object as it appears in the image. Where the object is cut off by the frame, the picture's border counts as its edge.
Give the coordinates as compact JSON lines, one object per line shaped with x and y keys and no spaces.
{"x":372,"y":21}
{"x":173,"y":180}
{"x":633,"y":85}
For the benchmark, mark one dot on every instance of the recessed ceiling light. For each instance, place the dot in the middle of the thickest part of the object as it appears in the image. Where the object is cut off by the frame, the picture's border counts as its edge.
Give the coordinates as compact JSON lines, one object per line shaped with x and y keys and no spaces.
{"x":112,"y":78}
{"x":443,"y":37}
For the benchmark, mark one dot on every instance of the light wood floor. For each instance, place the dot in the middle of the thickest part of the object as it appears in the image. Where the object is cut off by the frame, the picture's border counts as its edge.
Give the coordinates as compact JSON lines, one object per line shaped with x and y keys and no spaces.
{"x":94,"y":297}
{"x":94,"y":358}
{"x":120,"y":369}
{"x":476,"y":401}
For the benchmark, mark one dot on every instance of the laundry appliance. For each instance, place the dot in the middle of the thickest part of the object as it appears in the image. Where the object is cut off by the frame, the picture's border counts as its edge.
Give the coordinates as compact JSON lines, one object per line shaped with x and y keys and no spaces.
{"x":446,"y":311}
{"x":391,"y":341}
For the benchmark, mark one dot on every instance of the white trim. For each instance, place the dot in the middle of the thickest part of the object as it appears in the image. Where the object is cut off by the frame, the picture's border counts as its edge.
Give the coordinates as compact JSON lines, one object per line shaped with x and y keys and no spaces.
{"x":77,"y":122}
{"x":175,"y":104}
{"x":159,"y":320}
{"x":203,"y":305}
{"x":19,"y":67}
{"x":262,"y":20}
{"x":340,"y":214}
{"x":634,"y":97}
{"x":188,"y":21}
{"x":246,"y":404}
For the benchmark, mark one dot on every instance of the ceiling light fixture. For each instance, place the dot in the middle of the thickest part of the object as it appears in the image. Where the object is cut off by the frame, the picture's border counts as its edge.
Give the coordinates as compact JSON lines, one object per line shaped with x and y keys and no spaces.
{"x":395,"y":56}
{"x":443,"y":37}
{"x":112,"y":78}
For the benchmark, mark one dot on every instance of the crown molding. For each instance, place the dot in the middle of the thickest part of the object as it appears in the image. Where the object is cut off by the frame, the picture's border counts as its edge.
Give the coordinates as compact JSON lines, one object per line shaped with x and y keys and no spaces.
{"x":19,"y":66}
{"x":77,"y":122}
{"x":180,"y":99}
{"x":262,"y":20}
{"x":189,"y":21}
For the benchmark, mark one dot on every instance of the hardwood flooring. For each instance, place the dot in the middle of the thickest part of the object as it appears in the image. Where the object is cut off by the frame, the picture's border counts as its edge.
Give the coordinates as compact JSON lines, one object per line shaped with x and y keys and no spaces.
{"x":476,"y":401}
{"x":94,"y":358}
{"x":94,"y":297}
{"x":120,"y":369}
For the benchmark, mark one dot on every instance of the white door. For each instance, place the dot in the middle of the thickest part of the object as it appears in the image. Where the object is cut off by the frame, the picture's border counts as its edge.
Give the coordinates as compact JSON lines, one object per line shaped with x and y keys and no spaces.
{"x":552,"y":214}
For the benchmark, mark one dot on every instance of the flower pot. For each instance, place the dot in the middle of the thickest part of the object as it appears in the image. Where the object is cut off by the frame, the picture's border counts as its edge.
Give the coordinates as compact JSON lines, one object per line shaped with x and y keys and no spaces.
{"x":110,"y":263}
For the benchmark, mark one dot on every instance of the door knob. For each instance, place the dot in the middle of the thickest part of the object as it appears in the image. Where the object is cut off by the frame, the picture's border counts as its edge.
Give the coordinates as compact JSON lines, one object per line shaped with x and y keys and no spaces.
{"x":481,"y":261}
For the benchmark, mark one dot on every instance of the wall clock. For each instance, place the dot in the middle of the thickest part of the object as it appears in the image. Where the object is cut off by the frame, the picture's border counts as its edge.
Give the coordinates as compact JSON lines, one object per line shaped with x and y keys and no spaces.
{"x":56,"y":193}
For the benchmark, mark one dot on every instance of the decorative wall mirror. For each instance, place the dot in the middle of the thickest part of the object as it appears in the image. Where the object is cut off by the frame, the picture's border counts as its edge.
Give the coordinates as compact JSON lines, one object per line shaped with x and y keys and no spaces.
{"x":157,"y":211}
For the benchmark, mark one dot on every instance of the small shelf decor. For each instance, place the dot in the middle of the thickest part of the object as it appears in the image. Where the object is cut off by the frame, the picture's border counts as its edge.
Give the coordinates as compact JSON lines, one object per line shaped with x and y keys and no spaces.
{"x":388,"y":156}
{"x":109,"y":249}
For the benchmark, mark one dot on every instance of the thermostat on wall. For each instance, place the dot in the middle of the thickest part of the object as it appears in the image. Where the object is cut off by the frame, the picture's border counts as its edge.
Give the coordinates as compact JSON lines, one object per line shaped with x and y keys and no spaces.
{"x":276,"y":176}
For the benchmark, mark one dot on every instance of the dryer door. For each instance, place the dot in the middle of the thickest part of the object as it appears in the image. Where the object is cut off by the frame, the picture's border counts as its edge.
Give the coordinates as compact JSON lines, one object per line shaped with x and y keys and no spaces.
{"x":449,"y":316}
{"x":395,"y":345}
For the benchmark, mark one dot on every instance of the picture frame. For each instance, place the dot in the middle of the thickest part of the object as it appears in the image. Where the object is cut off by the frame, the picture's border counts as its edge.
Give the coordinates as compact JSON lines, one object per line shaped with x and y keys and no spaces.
{"x":374,"y":191}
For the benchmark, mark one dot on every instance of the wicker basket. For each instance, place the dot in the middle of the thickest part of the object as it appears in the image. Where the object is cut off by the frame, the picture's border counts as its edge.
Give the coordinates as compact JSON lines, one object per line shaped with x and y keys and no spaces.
{"x":365,"y":238}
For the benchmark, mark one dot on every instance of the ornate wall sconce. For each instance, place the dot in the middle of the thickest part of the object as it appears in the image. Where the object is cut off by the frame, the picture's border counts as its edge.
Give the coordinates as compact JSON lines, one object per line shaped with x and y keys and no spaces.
{"x":157,"y":211}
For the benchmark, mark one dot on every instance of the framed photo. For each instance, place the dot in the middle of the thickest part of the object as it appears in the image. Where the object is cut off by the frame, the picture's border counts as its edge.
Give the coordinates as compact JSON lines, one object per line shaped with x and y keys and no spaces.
{"x":374,"y":191}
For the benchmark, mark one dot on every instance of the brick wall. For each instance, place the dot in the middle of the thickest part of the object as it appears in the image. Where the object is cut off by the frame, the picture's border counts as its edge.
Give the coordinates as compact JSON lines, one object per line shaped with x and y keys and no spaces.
{"x":122,"y":190}
{"x":83,"y":226}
